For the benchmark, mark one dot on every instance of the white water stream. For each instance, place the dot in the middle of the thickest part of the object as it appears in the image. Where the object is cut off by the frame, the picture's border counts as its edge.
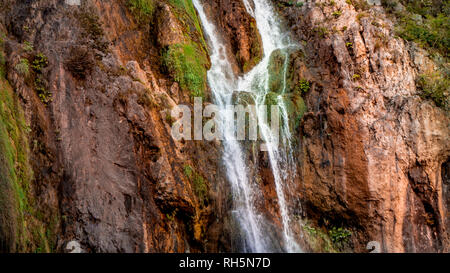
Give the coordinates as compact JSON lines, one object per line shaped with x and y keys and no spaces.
{"x":223,"y":83}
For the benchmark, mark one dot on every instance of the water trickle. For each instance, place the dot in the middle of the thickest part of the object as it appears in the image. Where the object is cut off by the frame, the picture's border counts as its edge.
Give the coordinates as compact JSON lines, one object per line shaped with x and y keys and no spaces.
{"x":223,"y":82}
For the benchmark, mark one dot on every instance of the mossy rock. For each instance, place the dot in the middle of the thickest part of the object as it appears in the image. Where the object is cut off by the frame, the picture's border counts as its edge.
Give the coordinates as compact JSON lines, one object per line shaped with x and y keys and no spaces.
{"x":243,"y":98}
{"x":188,"y":66}
{"x":276,"y":67}
{"x":271,"y":98}
{"x":295,"y":107}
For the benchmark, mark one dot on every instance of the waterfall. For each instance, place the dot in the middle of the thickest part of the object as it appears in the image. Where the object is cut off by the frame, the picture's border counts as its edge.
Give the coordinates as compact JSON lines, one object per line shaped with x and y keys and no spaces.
{"x":223,"y":82}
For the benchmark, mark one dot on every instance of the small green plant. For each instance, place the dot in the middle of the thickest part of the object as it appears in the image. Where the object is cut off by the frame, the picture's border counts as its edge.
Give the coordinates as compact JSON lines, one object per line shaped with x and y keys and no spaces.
{"x":40,"y":61}
{"x":349,"y":45}
{"x":80,"y":62}
{"x":23,"y":67}
{"x":303,"y":86}
{"x":427,"y":23}
{"x":186,"y":63}
{"x":169,"y":119}
{"x":311,"y":231}
{"x":188,"y":171}
{"x":27,"y":46}
{"x":356,"y":77}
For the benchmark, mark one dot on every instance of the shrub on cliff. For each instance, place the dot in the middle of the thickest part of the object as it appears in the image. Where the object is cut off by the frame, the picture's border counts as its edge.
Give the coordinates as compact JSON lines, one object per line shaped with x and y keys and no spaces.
{"x":424,"y":22}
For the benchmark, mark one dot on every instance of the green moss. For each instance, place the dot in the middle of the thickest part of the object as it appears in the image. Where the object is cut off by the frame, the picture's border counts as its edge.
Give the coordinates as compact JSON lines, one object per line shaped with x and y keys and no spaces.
{"x":187,"y":65}
{"x":296,"y":109}
{"x":23,"y":67}
{"x":199,"y":183}
{"x":16,"y":174}
{"x":187,"y":62}
{"x":335,"y":239}
{"x":277,"y":66}
{"x":434,"y":32}
{"x":424,"y":22}
{"x":337,"y":13}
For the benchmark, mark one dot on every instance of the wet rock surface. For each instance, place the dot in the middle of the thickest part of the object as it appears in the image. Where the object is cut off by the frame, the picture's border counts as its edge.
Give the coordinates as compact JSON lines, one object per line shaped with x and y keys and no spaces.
{"x":117,"y":175}
{"x":239,"y":31}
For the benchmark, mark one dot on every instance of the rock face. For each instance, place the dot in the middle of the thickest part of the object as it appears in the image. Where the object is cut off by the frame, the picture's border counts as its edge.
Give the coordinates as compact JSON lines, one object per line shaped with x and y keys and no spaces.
{"x":372,"y":156}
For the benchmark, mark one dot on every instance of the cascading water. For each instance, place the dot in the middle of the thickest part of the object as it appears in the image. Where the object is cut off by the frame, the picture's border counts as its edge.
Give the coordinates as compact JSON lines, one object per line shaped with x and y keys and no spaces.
{"x":223,"y":82}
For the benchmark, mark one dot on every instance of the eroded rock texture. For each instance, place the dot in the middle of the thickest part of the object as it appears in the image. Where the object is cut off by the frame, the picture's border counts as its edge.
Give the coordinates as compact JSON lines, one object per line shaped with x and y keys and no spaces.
{"x":109,"y":170}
